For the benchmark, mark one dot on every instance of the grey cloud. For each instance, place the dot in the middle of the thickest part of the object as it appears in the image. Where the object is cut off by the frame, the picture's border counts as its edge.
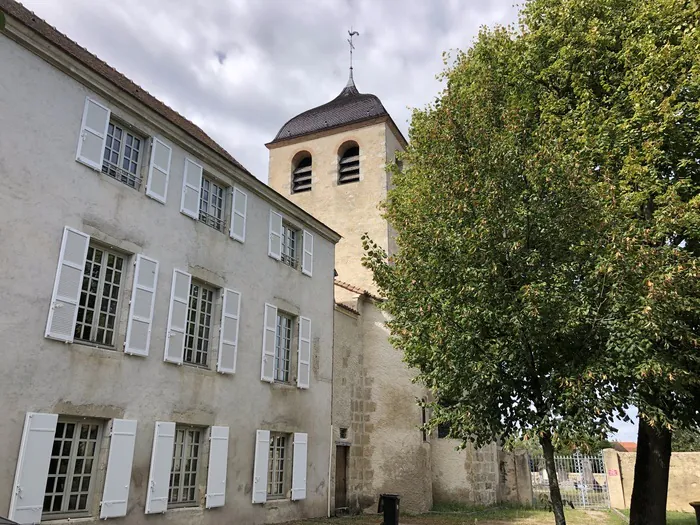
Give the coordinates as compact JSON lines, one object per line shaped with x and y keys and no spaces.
{"x":241,"y":68}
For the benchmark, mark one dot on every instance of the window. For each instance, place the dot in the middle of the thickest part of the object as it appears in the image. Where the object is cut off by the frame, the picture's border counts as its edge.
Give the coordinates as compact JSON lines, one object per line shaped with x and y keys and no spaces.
{"x":283,"y":347}
{"x":74,"y":455}
{"x":277,"y":465}
{"x":212,"y":198}
{"x":199,"y":314}
{"x":290,"y":245}
{"x":183,"y":475}
{"x":349,"y":163}
{"x":301,"y":174}
{"x":423,"y":421}
{"x":122,"y":155}
{"x":343,"y":433}
{"x":99,"y":298}
{"x":443,"y":430}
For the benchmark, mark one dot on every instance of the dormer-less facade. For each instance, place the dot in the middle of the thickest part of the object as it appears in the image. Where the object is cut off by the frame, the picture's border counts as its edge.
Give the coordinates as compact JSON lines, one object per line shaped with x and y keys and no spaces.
{"x":166,"y":317}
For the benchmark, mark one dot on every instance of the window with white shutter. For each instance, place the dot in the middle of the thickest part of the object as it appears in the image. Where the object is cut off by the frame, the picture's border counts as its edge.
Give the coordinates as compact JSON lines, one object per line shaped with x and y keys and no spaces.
{"x":93,"y":133}
{"x":218,"y":461}
{"x":27,"y":498}
{"x":262,"y":450}
{"x":177,"y":317}
{"x":239,"y":205}
{"x":115,"y":498}
{"x":304,"y":353}
{"x":275,"y":240}
{"x":138,"y":329}
{"x":299,"y":466}
{"x":228,"y":342}
{"x":191,"y":187}
{"x":267,"y":370}
{"x":161,"y":462}
{"x":159,"y":170}
{"x":307,"y":261}
{"x":63,"y":312}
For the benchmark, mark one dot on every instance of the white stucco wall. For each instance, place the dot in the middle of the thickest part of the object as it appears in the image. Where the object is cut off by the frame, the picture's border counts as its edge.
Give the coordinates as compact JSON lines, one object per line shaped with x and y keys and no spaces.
{"x":45,"y":189}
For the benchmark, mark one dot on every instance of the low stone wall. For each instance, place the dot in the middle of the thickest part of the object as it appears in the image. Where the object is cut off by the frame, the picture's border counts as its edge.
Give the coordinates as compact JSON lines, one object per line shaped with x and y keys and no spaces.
{"x":468,"y":476}
{"x":683,"y":483}
{"x":514,"y":479}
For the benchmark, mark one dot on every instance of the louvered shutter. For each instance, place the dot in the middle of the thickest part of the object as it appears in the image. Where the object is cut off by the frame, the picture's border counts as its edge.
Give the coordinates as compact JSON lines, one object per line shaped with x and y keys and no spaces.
{"x":228,"y":342}
{"x":159,"y":170}
{"x":66,"y":289}
{"x":275,"y":243}
{"x":161,"y":462}
{"x":191,"y":186}
{"x":218,"y":461}
{"x":239,"y":207}
{"x":267,"y":372}
{"x":93,"y":133}
{"x":304,"y":353}
{"x":262,"y":451}
{"x":307,"y":261}
{"x":177,"y":317}
{"x":115,"y":497}
{"x":27,"y":498}
{"x":138,"y":329}
{"x":299,"y":466}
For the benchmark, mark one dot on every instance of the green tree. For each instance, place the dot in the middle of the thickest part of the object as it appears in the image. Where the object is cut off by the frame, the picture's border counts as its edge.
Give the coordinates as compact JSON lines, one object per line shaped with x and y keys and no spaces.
{"x":686,"y":440}
{"x":496,"y":292}
{"x":548,"y":231}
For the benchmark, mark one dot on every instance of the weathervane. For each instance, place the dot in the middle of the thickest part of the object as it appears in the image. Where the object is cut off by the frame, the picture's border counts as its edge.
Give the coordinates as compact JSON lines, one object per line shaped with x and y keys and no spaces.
{"x":352,"y":34}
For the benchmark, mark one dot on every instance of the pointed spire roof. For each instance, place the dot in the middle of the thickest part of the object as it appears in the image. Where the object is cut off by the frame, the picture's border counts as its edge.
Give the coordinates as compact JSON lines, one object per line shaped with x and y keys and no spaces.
{"x":349,"y":107}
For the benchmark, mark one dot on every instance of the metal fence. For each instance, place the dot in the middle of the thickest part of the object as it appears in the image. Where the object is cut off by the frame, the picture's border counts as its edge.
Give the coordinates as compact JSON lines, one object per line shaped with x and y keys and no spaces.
{"x":582,"y":481}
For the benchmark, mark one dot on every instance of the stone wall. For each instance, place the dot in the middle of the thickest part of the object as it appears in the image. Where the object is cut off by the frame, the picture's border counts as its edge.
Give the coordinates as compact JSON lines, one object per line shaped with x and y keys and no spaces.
{"x":514,"y":479}
{"x":683,"y":483}
{"x":468,"y":476}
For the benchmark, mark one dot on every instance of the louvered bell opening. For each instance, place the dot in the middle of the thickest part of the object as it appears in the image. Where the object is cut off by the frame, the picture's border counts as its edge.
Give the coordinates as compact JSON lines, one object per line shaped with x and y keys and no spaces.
{"x":301,"y":177}
{"x":349,"y":169}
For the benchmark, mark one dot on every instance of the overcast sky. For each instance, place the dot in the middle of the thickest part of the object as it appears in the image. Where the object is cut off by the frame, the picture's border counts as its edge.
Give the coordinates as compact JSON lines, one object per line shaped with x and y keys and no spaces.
{"x":241,"y":68}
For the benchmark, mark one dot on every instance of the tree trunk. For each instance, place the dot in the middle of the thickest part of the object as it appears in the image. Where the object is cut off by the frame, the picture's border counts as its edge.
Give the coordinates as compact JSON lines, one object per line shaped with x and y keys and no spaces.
{"x":650,"y":489}
{"x":554,"y":492}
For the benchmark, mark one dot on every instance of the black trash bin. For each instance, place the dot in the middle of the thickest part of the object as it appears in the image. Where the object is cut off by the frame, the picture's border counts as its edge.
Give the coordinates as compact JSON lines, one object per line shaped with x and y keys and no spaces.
{"x":389,"y":505}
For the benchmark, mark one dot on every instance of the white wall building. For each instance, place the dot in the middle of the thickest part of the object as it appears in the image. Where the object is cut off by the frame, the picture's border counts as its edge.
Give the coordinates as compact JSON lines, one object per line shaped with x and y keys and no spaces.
{"x":166,"y":319}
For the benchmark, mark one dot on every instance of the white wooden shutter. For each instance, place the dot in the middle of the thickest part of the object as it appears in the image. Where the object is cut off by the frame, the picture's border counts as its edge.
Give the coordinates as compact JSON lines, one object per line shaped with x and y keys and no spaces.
{"x":228,"y":342}
{"x":67,"y":285}
{"x":115,"y":497}
{"x":177,"y":317}
{"x":307,"y":261}
{"x":304,"y":353}
{"x":93,"y":133}
{"x":27,"y":498}
{"x":161,"y":462}
{"x":191,"y":186}
{"x":218,"y":461}
{"x":299,"y":466}
{"x":262,"y":451}
{"x":275,"y":243}
{"x":239,"y":206}
{"x":267,"y":370}
{"x":138,"y":329}
{"x":159,"y":170}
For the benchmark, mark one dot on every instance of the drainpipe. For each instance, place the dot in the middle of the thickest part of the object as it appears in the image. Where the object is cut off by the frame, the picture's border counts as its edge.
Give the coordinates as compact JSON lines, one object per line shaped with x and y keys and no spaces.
{"x":330,"y":463}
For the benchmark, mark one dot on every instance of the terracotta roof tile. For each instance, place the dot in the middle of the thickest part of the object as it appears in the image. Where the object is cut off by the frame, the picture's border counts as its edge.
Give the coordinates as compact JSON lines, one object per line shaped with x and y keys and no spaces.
{"x":357,"y":290}
{"x":50,"y":33}
{"x":346,"y":307}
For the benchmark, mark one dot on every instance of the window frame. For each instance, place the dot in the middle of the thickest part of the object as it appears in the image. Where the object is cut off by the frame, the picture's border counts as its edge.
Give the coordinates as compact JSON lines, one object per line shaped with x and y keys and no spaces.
{"x":302,"y":172}
{"x":292,"y":260}
{"x":99,"y":297}
{"x":203,"y":287}
{"x":273,"y":465}
{"x":289,"y":358}
{"x":120,"y":172}
{"x":70,"y":474}
{"x":183,"y":461}
{"x":352,"y":164}
{"x":205,"y":217}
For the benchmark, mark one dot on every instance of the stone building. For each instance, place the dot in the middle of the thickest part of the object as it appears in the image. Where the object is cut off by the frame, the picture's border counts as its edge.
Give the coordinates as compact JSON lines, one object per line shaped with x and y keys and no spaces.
{"x":166,"y":318}
{"x":332,"y":161}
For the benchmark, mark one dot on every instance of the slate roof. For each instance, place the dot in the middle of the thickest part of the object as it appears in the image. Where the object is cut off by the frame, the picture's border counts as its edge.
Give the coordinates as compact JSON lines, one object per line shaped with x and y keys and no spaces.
{"x":349,"y":107}
{"x":50,"y":33}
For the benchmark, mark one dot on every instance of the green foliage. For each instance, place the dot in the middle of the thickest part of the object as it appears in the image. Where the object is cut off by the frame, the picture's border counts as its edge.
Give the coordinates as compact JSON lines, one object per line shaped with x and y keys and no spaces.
{"x":686,"y":440}
{"x":2,"y":20}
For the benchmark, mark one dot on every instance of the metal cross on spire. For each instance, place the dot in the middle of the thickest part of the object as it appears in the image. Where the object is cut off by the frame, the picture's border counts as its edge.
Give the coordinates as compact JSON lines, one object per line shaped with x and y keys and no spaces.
{"x":352,"y":34}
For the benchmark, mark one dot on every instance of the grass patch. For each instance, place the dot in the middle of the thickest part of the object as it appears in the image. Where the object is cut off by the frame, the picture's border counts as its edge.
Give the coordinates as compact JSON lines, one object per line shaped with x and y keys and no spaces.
{"x":674,"y":518}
